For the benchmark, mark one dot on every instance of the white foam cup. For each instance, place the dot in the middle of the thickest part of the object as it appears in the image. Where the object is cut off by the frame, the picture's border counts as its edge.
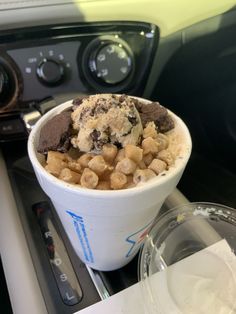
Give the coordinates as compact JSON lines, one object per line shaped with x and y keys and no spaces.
{"x":107,"y":228}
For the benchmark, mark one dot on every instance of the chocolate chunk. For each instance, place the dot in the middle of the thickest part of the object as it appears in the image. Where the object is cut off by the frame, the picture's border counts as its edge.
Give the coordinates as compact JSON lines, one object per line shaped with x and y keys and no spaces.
{"x":95,"y":135}
{"x":118,"y":145}
{"x":55,"y":134}
{"x":100,"y":108}
{"x":132,"y":119}
{"x":138,"y":104}
{"x":164,"y":123}
{"x":84,"y":112}
{"x":92,"y":111}
{"x":122,"y":98}
{"x":77,"y":102}
{"x":157,"y":113}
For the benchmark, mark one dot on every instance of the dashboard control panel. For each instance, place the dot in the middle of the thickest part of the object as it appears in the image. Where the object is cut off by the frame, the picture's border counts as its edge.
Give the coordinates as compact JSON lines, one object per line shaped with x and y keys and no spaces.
{"x":41,"y":62}
{"x":47,"y":70}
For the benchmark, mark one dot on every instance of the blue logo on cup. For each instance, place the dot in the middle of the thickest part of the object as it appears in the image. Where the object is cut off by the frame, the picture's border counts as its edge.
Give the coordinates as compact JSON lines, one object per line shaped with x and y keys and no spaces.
{"x":79,"y":226}
{"x":136,"y":238}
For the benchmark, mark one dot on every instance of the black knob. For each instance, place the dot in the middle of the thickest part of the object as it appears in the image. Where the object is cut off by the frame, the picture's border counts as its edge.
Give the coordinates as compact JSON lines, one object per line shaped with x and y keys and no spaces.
{"x":111,"y":63}
{"x":6,"y":86}
{"x":50,"y":72}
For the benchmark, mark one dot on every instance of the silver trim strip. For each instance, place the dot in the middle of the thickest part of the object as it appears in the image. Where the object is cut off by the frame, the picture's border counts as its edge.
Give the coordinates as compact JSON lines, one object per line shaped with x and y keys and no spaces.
{"x":99,"y":284}
{"x":30,"y":118}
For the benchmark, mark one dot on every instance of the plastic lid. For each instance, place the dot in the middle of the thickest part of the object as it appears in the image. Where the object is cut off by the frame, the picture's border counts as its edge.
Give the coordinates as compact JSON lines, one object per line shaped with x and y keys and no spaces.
{"x":187,"y":264}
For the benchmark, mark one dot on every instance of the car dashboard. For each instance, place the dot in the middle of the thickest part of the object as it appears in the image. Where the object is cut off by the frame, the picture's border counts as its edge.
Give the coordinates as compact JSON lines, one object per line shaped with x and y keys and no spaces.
{"x":178,"y":53}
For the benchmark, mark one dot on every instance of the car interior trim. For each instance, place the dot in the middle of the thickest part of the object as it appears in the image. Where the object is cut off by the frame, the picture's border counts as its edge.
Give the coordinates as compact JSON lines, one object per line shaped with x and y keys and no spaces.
{"x":169,"y":45}
{"x":23,"y":287}
{"x":168,"y":15}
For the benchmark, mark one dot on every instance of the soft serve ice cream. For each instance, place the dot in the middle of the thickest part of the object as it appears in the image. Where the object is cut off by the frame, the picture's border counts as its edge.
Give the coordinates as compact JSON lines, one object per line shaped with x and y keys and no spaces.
{"x":110,"y":142}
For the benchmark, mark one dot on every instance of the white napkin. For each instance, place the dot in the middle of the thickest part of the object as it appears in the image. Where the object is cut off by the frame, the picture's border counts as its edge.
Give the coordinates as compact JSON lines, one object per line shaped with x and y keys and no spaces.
{"x":203,"y":283}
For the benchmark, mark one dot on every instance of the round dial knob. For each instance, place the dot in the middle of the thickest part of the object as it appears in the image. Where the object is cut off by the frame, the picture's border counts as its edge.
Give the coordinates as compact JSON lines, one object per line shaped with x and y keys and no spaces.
{"x":111,"y":63}
{"x":50,"y":72}
{"x":6,"y":86}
